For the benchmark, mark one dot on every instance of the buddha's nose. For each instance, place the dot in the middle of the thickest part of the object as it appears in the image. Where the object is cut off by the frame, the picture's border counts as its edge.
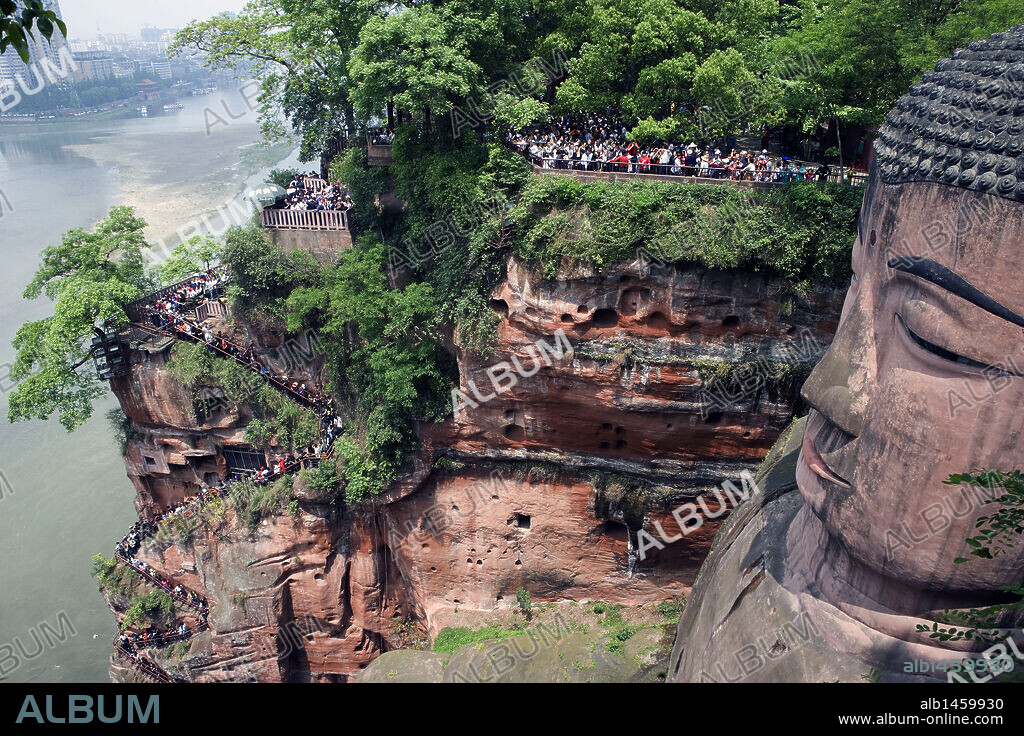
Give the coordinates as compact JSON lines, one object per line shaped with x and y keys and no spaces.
{"x":840,"y":386}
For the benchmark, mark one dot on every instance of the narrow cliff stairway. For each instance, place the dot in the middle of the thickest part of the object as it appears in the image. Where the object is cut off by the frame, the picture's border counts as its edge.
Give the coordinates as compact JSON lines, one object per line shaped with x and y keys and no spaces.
{"x":166,"y":311}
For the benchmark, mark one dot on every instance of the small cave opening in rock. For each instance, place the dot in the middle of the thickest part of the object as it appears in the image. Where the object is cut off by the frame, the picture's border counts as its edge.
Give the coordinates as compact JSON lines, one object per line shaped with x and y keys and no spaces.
{"x":657,"y":321}
{"x":500,"y":306}
{"x":713,"y":417}
{"x":633,"y":300}
{"x":603,"y":318}
{"x":514,"y":432}
{"x":583,"y":309}
{"x":620,"y":430}
{"x":620,"y":444}
{"x":522,"y":521}
{"x":616,"y":530}
{"x":509,"y":415}
{"x":731,"y":321}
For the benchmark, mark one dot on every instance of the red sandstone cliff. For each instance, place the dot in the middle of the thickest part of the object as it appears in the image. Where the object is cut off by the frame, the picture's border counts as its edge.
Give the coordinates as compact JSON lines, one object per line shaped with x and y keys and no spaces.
{"x":545,"y":485}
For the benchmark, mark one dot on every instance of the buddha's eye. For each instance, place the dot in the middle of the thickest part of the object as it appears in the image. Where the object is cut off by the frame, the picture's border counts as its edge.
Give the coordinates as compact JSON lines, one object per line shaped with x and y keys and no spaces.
{"x":945,"y":354}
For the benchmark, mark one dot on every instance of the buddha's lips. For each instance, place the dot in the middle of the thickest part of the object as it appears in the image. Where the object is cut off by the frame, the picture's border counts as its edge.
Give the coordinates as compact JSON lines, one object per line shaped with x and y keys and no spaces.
{"x":816,"y":463}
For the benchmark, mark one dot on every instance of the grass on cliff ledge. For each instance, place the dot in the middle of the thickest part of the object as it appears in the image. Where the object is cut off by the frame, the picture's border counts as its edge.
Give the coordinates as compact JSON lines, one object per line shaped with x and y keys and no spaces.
{"x":801,"y":231}
{"x":452,"y":638}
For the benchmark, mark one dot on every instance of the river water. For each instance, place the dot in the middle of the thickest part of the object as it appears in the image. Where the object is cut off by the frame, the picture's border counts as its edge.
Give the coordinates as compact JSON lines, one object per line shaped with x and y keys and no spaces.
{"x":65,"y":497}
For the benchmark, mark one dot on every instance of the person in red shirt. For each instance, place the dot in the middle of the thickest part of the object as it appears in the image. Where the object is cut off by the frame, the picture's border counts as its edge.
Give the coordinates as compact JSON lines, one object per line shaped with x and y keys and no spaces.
{"x":645,"y":163}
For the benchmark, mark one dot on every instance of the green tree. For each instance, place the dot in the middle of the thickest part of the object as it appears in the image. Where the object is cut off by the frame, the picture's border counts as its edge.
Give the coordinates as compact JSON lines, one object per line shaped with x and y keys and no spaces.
{"x":16,"y":25}
{"x":262,"y":274}
{"x":187,"y":259}
{"x":659,"y":59}
{"x":90,"y":276}
{"x":859,"y":56}
{"x":998,"y":533}
{"x":282,"y":177}
{"x":300,"y":51}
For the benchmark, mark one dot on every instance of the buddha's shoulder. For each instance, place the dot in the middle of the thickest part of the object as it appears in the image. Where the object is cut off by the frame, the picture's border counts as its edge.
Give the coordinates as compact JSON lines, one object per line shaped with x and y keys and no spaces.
{"x":777,"y":474}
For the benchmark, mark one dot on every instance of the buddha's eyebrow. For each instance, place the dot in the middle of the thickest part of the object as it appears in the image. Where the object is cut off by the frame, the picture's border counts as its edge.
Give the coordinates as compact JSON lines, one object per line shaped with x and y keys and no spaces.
{"x":939,"y":275}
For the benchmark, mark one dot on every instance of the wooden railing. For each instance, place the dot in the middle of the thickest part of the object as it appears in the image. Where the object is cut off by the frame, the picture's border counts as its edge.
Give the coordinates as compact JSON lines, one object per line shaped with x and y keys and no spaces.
{"x":613,"y":171}
{"x":149,"y":669}
{"x":312,"y":183}
{"x":304,"y":219}
{"x":210,"y":309}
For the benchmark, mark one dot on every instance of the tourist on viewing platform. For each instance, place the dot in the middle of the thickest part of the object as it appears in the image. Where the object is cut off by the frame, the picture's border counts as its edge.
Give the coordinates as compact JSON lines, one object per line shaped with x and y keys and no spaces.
{"x":594,"y":143}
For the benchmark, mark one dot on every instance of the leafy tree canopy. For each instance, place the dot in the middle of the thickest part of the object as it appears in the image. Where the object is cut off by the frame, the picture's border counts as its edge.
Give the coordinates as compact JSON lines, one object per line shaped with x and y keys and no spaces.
{"x":16,"y":25}
{"x":862,"y":55}
{"x":90,"y":276}
{"x":187,"y":259}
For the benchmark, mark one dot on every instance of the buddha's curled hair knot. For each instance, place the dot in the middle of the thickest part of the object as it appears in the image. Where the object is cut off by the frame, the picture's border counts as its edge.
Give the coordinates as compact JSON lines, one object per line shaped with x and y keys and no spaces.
{"x":963,"y":125}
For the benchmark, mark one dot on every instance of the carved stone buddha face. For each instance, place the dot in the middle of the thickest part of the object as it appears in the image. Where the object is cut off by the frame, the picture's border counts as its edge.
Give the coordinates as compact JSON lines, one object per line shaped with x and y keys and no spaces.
{"x":925,"y":378}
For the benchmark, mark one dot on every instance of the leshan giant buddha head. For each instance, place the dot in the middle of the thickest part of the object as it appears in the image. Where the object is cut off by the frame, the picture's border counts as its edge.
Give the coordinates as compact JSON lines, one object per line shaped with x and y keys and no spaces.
{"x":925,"y":377}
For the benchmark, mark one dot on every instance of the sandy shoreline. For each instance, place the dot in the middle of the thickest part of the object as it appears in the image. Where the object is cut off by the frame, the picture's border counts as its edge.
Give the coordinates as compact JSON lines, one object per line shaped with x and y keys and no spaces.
{"x":207,"y":173}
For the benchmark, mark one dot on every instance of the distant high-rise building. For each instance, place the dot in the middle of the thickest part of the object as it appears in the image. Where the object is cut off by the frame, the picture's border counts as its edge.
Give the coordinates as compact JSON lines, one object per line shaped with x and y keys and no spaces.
{"x":161,"y":68}
{"x":49,"y":61}
{"x":93,"y":66}
{"x":150,"y":34}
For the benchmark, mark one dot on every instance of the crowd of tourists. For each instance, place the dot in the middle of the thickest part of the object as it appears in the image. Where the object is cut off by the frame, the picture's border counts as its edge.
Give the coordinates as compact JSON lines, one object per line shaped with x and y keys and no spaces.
{"x":169,"y":314}
{"x":312,"y":193}
{"x":152,"y":638}
{"x":597,"y":143}
{"x":126,"y":551}
{"x":381,"y":137}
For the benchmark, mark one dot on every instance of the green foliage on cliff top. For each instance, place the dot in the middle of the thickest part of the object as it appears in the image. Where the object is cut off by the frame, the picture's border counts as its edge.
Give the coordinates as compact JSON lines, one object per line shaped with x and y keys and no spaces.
{"x":90,"y":277}
{"x":277,"y":417}
{"x":384,"y":350}
{"x":803,"y":231}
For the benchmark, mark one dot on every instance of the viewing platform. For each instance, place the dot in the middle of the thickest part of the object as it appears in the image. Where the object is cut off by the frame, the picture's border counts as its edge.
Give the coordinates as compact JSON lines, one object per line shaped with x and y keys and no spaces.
{"x":857,"y":178}
{"x":378,"y":151}
{"x":322,"y":232}
{"x":271,"y":218}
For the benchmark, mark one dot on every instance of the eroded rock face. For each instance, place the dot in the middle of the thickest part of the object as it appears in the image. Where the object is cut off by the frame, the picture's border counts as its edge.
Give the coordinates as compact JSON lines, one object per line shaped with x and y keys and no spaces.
{"x":633,"y":393}
{"x":546,"y":486}
{"x":178,"y":433}
{"x":471,"y":538}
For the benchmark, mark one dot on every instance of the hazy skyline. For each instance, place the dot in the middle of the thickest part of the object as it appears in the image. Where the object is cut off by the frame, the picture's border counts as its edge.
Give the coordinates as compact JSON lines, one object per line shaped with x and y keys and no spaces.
{"x":128,"y":16}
